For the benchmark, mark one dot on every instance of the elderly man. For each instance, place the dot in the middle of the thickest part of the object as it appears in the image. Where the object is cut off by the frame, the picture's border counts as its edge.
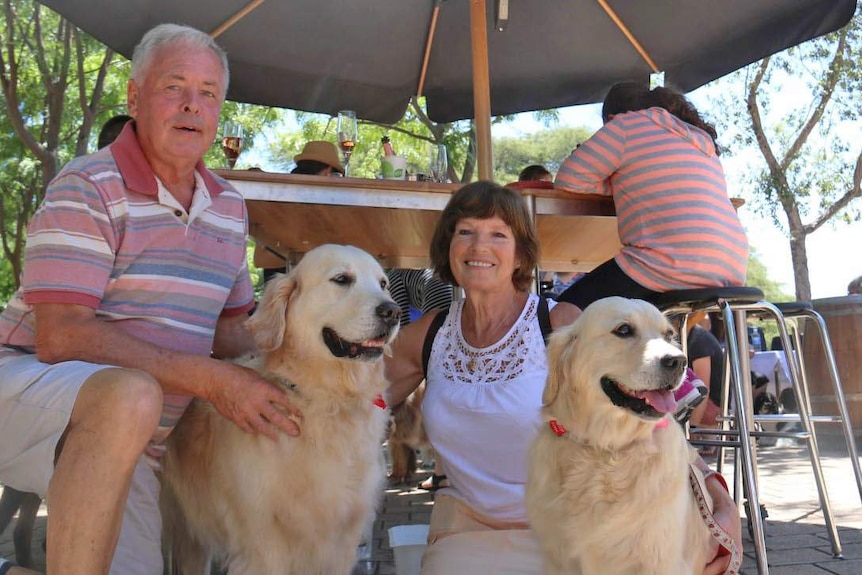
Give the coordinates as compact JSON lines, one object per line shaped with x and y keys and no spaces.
{"x":134,"y":275}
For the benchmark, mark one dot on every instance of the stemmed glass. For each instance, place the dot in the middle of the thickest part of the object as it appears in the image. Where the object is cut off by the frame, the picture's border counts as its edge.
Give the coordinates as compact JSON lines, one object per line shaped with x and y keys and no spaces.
{"x":347,"y":131}
{"x":439,"y":163}
{"x":231,"y":142}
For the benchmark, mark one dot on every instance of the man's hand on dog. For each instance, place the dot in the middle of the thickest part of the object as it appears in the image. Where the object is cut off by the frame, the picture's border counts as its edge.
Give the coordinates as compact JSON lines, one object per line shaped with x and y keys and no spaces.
{"x":254,"y":404}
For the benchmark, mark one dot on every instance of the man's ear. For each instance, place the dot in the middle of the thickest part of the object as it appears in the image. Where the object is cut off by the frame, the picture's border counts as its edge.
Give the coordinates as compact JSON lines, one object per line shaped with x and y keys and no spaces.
{"x":132,"y":90}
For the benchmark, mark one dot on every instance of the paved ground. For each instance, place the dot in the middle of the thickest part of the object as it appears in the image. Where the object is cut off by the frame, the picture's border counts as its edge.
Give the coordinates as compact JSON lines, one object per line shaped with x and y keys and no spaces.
{"x":797,"y":540}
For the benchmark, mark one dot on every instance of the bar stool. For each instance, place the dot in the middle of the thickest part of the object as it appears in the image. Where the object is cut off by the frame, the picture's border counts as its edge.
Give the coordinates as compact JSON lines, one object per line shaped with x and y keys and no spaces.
{"x":734,"y":304}
{"x":794,"y":313}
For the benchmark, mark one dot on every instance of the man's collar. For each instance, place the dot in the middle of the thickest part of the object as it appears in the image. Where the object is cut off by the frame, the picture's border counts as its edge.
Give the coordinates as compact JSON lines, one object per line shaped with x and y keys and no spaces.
{"x":136,"y":170}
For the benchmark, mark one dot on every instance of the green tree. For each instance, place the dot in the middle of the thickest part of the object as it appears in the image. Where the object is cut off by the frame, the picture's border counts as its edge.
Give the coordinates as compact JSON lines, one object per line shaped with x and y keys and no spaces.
{"x":411,"y":137}
{"x":54,"y":83}
{"x":810,"y":164}
{"x":547,"y":147}
{"x":758,"y":276}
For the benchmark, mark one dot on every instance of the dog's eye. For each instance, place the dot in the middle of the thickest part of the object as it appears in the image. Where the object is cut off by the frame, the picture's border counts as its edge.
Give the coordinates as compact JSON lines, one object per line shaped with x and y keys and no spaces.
{"x":343,"y":279}
{"x":384,"y":285}
{"x":624,"y":330}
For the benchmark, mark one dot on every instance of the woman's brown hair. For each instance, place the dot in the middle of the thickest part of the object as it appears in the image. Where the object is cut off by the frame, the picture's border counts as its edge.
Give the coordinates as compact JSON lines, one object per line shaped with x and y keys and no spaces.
{"x":484,"y":200}
{"x":633,"y":96}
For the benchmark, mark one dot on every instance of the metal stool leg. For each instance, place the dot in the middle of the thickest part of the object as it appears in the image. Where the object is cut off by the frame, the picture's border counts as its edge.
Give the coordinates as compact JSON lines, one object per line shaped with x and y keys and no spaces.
{"x":846,"y":424}
{"x":734,"y":340}
{"x":801,"y":393}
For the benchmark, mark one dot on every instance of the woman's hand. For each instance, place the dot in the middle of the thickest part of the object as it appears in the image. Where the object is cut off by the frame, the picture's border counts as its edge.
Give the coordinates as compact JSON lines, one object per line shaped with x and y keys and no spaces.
{"x":727,"y":516}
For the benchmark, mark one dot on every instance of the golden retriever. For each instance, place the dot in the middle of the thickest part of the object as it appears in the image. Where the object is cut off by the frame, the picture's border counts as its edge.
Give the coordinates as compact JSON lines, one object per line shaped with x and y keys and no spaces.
{"x":298,"y":505}
{"x":608,"y":485}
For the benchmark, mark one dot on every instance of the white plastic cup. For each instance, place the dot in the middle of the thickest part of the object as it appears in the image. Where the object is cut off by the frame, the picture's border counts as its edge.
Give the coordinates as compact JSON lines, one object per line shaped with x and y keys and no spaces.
{"x":408,"y":543}
{"x":394,"y":167}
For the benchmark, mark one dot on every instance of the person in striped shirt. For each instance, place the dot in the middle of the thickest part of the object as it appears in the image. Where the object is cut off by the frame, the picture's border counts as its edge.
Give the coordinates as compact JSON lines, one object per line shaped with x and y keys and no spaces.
{"x":135,"y":276}
{"x":659,"y":160}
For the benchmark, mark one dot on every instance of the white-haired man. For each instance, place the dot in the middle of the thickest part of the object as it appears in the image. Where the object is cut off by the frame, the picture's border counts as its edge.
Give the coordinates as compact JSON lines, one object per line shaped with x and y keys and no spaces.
{"x":134,"y":275}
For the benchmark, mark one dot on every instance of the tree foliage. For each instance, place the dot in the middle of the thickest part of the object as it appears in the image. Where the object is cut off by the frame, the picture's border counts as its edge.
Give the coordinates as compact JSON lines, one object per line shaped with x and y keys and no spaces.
{"x":758,"y":276}
{"x":548,"y":148}
{"x":810,"y":164}
{"x":57,"y":83}
{"x":412,"y":137}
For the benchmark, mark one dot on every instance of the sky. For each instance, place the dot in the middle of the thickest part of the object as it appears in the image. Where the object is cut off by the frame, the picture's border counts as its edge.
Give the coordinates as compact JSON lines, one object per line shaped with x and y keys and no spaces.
{"x":834,"y":251}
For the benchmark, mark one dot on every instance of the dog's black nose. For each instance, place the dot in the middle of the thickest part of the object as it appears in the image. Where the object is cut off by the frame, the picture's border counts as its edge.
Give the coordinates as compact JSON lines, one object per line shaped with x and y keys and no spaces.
{"x":389,"y":312}
{"x":674,"y":362}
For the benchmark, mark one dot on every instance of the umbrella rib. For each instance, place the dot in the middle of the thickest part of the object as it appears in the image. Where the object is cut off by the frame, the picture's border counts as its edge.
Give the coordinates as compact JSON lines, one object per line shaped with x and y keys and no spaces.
{"x":236,"y":18}
{"x":432,"y":27}
{"x":628,"y":34}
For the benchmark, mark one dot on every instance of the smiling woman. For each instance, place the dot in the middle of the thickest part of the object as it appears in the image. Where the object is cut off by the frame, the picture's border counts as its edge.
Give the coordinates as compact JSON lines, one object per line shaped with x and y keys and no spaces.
{"x":485,"y":370}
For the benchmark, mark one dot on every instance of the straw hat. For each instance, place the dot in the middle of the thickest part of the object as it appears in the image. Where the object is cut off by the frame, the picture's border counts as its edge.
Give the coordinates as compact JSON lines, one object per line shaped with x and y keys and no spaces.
{"x":321,"y":151}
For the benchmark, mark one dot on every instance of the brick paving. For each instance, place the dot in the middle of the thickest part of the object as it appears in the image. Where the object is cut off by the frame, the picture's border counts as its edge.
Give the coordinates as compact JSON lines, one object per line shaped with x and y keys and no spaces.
{"x":797,"y":540}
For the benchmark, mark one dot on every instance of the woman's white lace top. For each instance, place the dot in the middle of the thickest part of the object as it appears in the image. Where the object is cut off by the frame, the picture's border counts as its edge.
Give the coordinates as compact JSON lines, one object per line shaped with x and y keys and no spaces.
{"x":482,"y":408}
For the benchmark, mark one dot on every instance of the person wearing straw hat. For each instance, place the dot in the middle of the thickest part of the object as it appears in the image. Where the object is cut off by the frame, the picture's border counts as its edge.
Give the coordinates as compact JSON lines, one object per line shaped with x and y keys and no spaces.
{"x":318,"y":158}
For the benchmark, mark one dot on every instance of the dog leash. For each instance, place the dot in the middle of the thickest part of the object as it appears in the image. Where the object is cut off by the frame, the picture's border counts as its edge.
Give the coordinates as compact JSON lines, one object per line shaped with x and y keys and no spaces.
{"x":725,"y":541}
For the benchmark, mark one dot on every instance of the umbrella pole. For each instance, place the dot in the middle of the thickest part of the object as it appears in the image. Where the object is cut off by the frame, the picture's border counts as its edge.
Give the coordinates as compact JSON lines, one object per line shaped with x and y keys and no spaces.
{"x":481,"y":90}
{"x":236,"y":18}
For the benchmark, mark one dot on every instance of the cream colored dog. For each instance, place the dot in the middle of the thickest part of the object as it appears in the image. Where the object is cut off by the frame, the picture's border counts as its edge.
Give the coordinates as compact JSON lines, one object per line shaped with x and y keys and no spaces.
{"x":298,"y":505}
{"x":608,"y":488}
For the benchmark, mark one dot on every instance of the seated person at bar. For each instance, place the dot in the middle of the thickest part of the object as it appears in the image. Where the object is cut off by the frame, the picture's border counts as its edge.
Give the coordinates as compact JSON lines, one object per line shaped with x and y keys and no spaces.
{"x":658,"y":159}
{"x":535,"y":173}
{"x":706,"y":358}
{"x":318,"y":158}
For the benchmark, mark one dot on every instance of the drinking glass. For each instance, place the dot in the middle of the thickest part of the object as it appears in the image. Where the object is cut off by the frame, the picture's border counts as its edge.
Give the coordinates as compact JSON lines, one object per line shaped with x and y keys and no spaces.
{"x":439,"y":163}
{"x":347,"y":131}
{"x":231,"y":142}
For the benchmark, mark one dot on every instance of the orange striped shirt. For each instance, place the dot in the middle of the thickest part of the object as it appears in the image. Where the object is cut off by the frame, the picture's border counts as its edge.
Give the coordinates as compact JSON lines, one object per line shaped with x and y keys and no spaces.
{"x":674,"y":218}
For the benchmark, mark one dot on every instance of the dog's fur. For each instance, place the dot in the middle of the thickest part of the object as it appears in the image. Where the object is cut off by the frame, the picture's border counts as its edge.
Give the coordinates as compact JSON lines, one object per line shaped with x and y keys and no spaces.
{"x":298,"y":505}
{"x":406,"y":436}
{"x":612,"y":495}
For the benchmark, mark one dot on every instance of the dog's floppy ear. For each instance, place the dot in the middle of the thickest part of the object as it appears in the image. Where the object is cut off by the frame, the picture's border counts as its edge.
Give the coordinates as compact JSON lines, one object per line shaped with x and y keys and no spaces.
{"x":558,"y":347}
{"x":269,"y":320}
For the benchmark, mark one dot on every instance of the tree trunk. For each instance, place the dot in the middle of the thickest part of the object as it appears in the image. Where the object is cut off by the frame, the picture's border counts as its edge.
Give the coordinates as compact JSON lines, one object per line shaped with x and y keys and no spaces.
{"x":799,"y":257}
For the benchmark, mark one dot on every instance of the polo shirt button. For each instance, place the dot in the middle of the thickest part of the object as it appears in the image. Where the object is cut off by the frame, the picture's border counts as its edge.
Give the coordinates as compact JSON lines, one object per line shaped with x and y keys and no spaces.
{"x":178,"y":213}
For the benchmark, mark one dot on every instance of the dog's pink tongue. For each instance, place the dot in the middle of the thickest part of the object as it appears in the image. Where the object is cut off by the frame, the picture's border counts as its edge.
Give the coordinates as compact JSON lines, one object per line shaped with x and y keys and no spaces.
{"x":662,"y":401}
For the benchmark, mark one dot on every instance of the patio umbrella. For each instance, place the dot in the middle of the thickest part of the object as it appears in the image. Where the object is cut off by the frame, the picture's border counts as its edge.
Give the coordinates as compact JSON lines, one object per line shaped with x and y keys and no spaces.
{"x":518,"y":55}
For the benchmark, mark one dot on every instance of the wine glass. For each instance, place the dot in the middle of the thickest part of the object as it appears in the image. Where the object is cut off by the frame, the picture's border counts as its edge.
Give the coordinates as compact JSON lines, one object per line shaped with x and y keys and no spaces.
{"x":231,"y":142}
{"x":439,"y":163}
{"x":346,"y":128}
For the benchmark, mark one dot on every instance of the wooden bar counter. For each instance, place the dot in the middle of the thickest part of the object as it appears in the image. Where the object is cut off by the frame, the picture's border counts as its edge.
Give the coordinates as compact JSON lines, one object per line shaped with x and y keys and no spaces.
{"x":394,"y":220}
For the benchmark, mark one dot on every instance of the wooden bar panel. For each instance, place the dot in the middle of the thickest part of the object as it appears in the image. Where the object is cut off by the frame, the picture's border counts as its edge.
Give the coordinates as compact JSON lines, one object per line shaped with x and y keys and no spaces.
{"x":394,"y":220}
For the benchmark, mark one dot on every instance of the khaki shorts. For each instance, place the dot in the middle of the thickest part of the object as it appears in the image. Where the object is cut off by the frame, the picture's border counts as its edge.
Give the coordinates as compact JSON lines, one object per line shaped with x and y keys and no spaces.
{"x":462,"y":541}
{"x":36,"y":401}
